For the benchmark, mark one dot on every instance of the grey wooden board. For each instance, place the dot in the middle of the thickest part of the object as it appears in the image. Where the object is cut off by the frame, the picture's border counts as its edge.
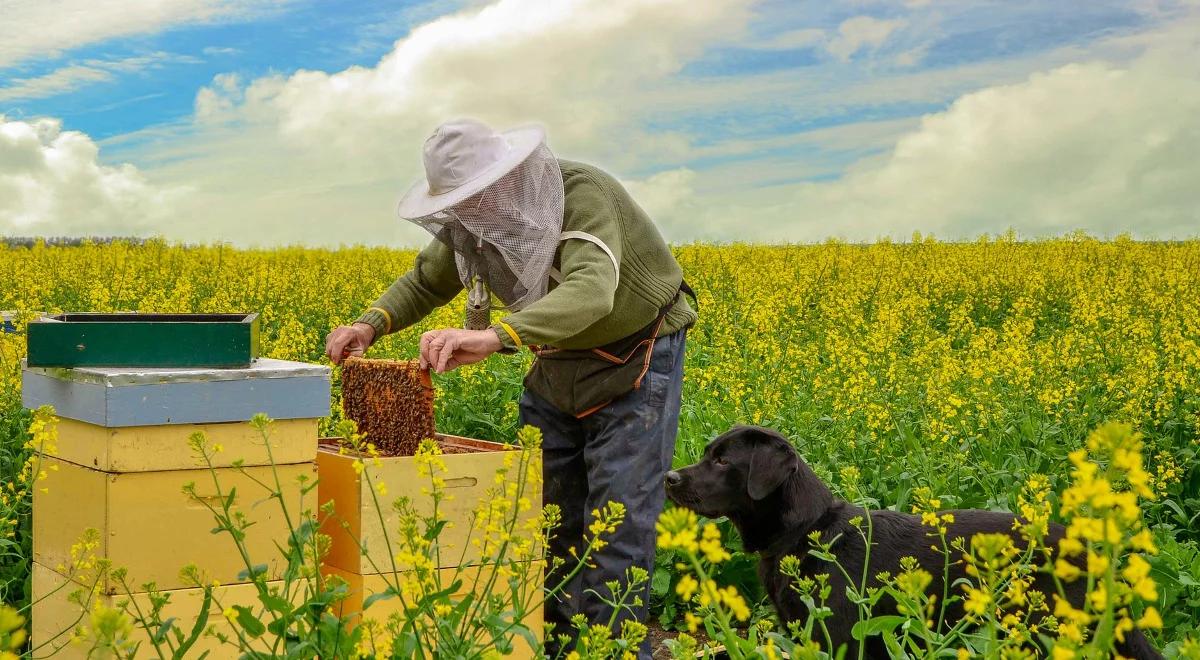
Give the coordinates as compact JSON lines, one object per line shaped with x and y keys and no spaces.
{"x":116,"y":396}
{"x":115,"y":376}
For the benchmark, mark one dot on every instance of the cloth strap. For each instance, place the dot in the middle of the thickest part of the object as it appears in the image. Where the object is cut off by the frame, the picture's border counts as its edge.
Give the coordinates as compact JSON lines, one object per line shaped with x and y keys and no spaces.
{"x":512,"y":333}
{"x":386,"y":316}
{"x":583,"y":235}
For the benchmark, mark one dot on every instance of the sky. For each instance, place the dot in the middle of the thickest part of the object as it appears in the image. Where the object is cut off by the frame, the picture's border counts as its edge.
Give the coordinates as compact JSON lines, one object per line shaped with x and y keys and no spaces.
{"x":301,"y":122}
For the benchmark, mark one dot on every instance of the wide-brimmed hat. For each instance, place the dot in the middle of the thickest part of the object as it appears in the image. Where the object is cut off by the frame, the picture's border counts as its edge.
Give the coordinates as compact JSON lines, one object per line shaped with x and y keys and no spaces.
{"x":463,"y":157}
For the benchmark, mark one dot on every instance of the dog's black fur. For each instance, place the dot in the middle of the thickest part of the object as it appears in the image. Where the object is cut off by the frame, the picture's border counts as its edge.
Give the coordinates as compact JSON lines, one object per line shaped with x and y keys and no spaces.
{"x":754,"y":476}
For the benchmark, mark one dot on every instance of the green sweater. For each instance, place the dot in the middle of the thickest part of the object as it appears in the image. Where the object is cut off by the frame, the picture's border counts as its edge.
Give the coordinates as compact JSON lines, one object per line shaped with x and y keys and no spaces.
{"x":591,"y":306}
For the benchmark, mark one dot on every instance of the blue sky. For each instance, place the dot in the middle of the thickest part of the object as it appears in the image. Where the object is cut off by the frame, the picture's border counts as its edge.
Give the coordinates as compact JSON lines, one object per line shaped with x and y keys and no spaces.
{"x":301,"y":35}
{"x":274,"y":121}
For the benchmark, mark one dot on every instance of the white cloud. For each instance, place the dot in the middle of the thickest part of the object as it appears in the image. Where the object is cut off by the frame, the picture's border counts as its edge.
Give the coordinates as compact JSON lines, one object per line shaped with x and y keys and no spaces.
{"x":51,"y":183}
{"x":662,"y":195}
{"x":56,"y":82}
{"x":218,"y":100}
{"x":912,"y":56}
{"x":835,"y":93}
{"x":32,"y":28}
{"x":323,"y":157}
{"x":72,"y":77}
{"x":1090,"y":146}
{"x":860,"y":32}
{"x":509,"y":62}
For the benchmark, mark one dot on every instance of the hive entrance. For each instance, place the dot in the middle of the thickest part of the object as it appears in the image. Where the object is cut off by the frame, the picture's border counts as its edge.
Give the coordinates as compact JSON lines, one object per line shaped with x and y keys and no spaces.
{"x":391,"y":401}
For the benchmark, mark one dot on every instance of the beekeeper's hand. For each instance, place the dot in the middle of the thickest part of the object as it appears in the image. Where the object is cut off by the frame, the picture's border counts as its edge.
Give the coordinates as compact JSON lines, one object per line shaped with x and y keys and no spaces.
{"x":450,"y":348}
{"x":349,"y":340}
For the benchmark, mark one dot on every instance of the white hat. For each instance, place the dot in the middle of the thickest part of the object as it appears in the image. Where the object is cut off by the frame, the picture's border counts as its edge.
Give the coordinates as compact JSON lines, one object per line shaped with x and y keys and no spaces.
{"x":463,"y":157}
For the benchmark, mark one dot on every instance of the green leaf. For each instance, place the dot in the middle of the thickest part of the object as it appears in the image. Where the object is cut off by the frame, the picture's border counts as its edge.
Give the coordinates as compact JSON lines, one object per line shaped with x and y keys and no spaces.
{"x":528,"y":636}
{"x":408,"y":644}
{"x":661,"y":582}
{"x":892,"y":644}
{"x":376,"y":597}
{"x":275,"y":603}
{"x":161,"y":634}
{"x":876,"y":625}
{"x":279,"y":627}
{"x":198,"y":627}
{"x":494,"y":624}
{"x":249,"y":622}
{"x":255,"y":571}
{"x":440,"y":595}
{"x":434,"y":530}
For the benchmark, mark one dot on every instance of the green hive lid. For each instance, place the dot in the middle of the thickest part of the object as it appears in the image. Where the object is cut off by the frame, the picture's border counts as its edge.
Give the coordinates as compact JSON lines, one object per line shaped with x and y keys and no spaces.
{"x":137,"y":339}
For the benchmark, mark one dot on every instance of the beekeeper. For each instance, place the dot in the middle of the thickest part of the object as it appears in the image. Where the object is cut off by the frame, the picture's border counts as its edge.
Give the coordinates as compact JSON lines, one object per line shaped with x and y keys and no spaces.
{"x":588,"y":284}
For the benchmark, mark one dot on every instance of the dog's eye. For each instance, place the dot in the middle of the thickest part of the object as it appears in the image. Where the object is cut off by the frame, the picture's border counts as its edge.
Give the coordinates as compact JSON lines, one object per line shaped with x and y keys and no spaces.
{"x":720,"y":460}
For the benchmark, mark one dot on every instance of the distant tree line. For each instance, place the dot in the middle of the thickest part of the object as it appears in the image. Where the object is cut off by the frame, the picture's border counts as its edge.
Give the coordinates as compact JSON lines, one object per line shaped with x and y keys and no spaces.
{"x":70,"y":241}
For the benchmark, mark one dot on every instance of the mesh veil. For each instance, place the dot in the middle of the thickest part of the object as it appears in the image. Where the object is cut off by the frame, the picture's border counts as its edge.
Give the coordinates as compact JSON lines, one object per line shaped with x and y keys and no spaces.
{"x":508,"y":233}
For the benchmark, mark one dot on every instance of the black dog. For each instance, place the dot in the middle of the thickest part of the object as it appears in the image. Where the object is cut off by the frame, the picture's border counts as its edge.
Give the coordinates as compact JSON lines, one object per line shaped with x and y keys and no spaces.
{"x":754,"y":476}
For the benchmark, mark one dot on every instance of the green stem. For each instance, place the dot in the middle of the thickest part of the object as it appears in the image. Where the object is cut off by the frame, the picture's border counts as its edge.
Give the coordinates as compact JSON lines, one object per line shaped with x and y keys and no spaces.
{"x":141,"y":619}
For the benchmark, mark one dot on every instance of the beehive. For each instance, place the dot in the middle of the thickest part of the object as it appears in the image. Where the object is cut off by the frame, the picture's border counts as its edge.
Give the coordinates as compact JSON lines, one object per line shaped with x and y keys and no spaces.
{"x":361,"y":523}
{"x":391,"y":401}
{"x":124,"y":459}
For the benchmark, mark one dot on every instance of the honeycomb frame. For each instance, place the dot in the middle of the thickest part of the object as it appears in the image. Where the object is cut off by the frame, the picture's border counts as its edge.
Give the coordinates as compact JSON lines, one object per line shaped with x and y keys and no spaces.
{"x":391,"y":401}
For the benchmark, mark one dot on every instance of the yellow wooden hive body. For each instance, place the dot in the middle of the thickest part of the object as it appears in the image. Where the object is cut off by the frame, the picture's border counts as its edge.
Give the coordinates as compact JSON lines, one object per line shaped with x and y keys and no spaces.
{"x":127,"y":482}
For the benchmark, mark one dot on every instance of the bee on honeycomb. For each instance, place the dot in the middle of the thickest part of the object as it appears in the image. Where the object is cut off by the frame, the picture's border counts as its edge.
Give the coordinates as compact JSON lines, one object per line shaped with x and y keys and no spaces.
{"x":391,"y":401}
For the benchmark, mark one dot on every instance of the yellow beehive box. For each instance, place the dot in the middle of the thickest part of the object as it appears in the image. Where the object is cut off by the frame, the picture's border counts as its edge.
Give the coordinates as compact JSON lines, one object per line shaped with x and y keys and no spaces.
{"x":165,"y":446}
{"x":471,"y":470}
{"x":474,"y":578}
{"x":151,"y":528}
{"x":55,"y":616}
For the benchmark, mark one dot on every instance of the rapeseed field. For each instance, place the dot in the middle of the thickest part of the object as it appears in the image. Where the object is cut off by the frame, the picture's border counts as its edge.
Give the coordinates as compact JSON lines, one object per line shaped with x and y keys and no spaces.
{"x":953,"y":371}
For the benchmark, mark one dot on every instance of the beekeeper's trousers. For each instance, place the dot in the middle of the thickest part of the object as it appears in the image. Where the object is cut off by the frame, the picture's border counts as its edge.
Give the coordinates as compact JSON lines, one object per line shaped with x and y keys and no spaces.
{"x":619,"y":453}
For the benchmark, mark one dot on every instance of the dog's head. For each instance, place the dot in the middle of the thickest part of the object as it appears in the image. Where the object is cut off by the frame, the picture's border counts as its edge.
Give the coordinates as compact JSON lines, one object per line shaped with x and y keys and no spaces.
{"x":741,"y":466}
{"x":748,"y":472}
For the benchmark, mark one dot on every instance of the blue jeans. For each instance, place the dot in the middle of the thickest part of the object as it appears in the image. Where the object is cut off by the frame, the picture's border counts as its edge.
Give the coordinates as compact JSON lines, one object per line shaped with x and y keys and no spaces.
{"x":618,"y":453}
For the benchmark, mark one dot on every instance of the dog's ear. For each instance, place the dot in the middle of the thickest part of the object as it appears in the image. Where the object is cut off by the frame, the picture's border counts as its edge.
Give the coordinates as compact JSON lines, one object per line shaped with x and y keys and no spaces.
{"x":772,"y":461}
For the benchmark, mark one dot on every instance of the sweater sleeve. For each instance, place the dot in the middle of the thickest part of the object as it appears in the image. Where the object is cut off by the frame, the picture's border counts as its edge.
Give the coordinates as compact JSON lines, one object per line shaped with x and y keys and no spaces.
{"x":585,"y":294}
{"x":432,"y":282}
